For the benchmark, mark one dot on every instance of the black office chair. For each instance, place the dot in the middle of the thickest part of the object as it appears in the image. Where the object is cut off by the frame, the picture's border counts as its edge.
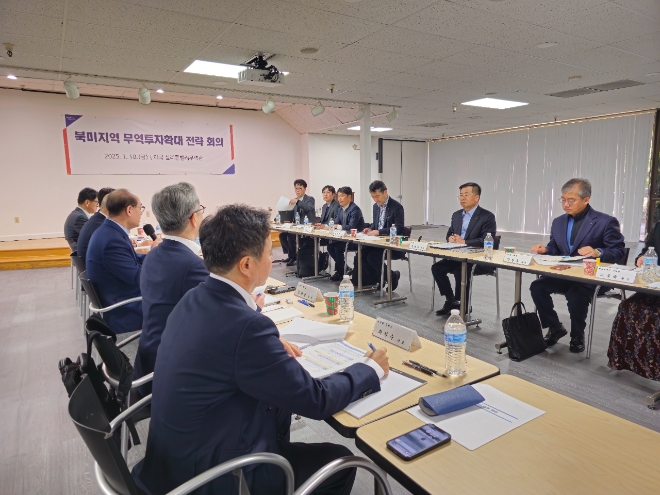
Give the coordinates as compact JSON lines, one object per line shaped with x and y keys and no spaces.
{"x":95,"y":306}
{"x":493,"y":273}
{"x":78,"y":265}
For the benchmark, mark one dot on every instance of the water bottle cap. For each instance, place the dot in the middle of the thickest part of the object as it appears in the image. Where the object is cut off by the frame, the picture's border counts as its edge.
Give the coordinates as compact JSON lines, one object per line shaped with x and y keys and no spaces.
{"x":455,"y":312}
{"x":347,"y":277}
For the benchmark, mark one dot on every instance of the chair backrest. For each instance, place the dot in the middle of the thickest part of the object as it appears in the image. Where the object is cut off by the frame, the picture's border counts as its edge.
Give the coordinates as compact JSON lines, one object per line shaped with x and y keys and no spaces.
{"x":496,"y":241}
{"x":78,"y":262}
{"x":89,"y":289}
{"x":624,"y":261}
{"x":406,"y":231}
{"x":96,"y":323}
{"x":91,"y":422}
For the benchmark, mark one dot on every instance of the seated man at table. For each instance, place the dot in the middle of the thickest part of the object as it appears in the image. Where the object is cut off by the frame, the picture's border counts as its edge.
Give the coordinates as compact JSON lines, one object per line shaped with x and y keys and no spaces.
{"x":386,"y":212}
{"x":93,"y":223}
{"x":112,"y":264}
{"x":224,"y":386}
{"x":349,"y":216}
{"x":305,"y":206}
{"x":329,"y":209}
{"x":581,"y":231}
{"x":87,"y":205}
{"x":468,"y":226}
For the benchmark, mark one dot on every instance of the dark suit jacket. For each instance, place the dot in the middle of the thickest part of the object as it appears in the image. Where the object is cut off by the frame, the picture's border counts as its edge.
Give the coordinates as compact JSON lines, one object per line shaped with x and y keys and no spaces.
{"x":481,"y":223}
{"x":72,"y":226}
{"x":393,"y":216}
{"x":598,"y":230}
{"x":353,"y":219}
{"x":167,"y":274}
{"x":86,"y":232}
{"x":114,"y":269}
{"x":652,"y":240}
{"x":329,"y":211}
{"x":224,"y":387}
{"x":306,"y":206}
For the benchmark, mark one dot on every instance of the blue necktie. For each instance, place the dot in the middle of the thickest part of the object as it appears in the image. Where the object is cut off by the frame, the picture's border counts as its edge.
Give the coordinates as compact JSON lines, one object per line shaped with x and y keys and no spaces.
{"x":569,"y":230}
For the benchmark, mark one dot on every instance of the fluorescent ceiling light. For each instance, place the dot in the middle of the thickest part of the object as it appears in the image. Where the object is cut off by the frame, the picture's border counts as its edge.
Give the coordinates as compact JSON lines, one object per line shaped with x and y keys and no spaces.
{"x":373,"y":129}
{"x":494,"y":103}
{"x":285,"y":73}
{"x":219,"y":97}
{"x":160,"y":91}
{"x":11,"y":76}
{"x":214,"y":69}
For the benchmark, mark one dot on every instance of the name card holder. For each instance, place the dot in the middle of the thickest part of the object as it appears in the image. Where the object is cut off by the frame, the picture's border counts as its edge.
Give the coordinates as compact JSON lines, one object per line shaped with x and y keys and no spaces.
{"x":523,"y":259}
{"x":308,"y":229}
{"x":418,"y":246}
{"x":338,"y":233}
{"x":395,"y":334}
{"x":308,"y":292}
{"x":616,"y":274}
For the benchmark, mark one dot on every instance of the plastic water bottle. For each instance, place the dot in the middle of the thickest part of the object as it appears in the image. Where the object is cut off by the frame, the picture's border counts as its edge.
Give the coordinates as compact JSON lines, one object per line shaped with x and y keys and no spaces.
{"x":297,"y":218}
{"x":346,"y":295}
{"x":158,"y":231}
{"x":331,"y":225}
{"x":455,"y":342}
{"x":278,"y":219}
{"x":488,"y":247}
{"x":650,"y":263}
{"x":393,"y":235}
{"x":197,"y":241}
{"x":306,"y":221}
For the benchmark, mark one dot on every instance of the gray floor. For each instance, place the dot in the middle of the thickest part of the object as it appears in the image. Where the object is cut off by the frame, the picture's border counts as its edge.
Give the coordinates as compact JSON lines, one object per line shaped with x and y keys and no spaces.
{"x":41,"y":452}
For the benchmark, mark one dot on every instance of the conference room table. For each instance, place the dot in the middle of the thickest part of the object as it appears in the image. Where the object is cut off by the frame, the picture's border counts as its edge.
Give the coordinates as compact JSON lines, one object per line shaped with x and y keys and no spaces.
{"x":572,"y":448}
{"x":430,"y":354}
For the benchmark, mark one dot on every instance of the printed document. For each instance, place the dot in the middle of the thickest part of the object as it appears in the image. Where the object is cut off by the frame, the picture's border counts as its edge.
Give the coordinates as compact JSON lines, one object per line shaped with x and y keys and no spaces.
{"x":445,"y":245}
{"x":325,"y":359}
{"x":305,"y":333}
{"x":477,"y":425}
{"x":283,"y":204}
{"x":546,"y":260}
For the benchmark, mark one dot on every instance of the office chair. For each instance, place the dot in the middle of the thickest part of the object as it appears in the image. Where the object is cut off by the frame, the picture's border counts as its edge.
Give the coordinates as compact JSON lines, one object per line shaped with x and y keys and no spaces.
{"x":78,"y":264}
{"x":95,"y":306}
{"x":496,"y":245}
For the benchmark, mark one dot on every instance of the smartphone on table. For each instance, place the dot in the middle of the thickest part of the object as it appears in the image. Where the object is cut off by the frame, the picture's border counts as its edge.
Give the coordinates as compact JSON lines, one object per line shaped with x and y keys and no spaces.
{"x":418,"y":442}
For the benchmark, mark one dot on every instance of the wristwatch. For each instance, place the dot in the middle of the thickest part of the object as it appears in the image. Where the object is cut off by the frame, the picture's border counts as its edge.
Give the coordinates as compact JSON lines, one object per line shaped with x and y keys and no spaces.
{"x":600,"y":252}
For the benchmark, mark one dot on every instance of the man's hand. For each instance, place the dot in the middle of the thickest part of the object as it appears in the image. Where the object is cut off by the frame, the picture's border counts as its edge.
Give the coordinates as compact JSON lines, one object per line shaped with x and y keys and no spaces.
{"x":133,"y":242}
{"x":293,"y":201}
{"x":588,"y":251}
{"x":320,"y":226}
{"x":146,"y":242}
{"x":457,"y":239}
{"x":372,"y":232}
{"x":156,"y":242}
{"x":259,"y":299}
{"x":366,"y":231}
{"x":538,"y":249}
{"x":640,"y":261}
{"x":291,"y":349}
{"x":380,"y":356}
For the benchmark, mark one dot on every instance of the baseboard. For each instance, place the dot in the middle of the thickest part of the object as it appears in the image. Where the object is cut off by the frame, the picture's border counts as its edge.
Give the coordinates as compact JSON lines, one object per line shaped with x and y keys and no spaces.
{"x":29,"y":237}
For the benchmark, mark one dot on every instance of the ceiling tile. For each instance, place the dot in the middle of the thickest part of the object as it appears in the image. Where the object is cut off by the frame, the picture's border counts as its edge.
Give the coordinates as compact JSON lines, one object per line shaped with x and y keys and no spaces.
{"x":489,"y":58}
{"x":408,"y":42}
{"x":225,"y":10}
{"x":385,"y":11}
{"x":130,"y":72}
{"x":369,"y":57}
{"x":21,"y":23}
{"x":646,"y":46}
{"x":49,"y":8}
{"x":30,"y":45}
{"x":554,"y":71}
{"x":605,"y":59}
{"x":648,"y":7}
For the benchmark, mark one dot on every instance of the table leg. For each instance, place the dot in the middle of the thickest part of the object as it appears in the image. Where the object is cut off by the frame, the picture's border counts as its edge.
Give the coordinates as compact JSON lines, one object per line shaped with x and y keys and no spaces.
{"x":464,"y":265}
{"x":297,"y":248}
{"x":389,"y":283}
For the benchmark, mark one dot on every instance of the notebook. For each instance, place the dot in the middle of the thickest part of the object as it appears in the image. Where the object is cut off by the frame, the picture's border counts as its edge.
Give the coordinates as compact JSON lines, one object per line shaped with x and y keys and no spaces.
{"x":280,"y":314}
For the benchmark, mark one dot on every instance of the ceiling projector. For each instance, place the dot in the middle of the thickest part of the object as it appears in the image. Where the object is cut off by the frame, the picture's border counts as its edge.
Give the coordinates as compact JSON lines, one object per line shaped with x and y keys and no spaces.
{"x":259,"y":73}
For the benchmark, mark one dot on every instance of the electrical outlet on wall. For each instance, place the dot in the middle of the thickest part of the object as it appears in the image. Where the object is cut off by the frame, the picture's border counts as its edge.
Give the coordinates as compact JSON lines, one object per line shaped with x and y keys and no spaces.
{"x":17,"y":220}
{"x":148,"y":213}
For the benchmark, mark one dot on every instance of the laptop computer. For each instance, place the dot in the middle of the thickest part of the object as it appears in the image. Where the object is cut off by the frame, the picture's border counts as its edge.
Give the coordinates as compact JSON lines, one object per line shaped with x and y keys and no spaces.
{"x":286,"y":216}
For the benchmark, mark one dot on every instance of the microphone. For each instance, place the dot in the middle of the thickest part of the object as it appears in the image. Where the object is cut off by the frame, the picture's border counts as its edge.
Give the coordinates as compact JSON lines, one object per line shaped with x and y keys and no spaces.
{"x":149,"y":230}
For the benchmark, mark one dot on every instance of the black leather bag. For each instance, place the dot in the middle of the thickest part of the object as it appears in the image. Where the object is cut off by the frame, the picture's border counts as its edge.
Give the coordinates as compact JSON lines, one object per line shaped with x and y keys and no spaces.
{"x":523,"y":333}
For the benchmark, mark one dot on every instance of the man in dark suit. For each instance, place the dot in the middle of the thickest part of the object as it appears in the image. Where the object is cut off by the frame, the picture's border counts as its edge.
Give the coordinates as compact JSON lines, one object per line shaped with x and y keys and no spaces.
{"x":224,"y":386}
{"x":87,"y":205}
{"x":329,"y":209}
{"x":112,"y":264}
{"x":305,"y":206}
{"x":386,"y":212}
{"x":349,"y":216}
{"x":468,"y":226}
{"x":581,"y":231}
{"x":93,"y":223}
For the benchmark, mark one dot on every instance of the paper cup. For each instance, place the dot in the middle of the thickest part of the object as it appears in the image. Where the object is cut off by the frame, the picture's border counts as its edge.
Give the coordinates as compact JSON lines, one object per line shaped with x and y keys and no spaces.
{"x":353,"y":232}
{"x":331,"y":302}
{"x":509,"y":250}
{"x":589,"y":267}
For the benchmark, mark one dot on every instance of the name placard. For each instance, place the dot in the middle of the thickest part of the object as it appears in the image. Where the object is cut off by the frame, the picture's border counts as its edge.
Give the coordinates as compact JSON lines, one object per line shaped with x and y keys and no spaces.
{"x":524,"y":259}
{"x":616,"y":274}
{"x":308,"y":292}
{"x":418,"y":246}
{"x":395,"y":334}
{"x":308,"y":229}
{"x":338,"y":233}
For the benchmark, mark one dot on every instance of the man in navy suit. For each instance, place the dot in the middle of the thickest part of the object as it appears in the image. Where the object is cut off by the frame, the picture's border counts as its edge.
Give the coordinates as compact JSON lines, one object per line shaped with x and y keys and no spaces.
{"x":305,"y":206}
{"x":468,"y":226}
{"x":581,"y":231}
{"x":349,"y":216}
{"x":87,"y":205}
{"x":93,"y":223}
{"x":386,"y":212}
{"x":225,"y":387}
{"x":112,"y":264}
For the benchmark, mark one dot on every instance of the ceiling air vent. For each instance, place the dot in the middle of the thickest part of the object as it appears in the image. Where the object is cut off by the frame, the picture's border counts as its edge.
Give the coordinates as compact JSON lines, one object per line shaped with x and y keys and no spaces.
{"x":432,"y":124}
{"x":574,"y":92}
{"x":624,"y":83}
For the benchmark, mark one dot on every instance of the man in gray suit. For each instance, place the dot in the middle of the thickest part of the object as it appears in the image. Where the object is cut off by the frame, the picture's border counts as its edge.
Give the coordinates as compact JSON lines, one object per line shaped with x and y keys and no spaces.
{"x":306,"y":207}
{"x":87,"y":205}
{"x":329,"y":210}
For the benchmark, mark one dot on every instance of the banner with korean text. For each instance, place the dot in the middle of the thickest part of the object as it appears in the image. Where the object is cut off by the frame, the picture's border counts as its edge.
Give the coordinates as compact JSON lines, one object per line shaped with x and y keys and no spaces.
{"x":112,"y":146}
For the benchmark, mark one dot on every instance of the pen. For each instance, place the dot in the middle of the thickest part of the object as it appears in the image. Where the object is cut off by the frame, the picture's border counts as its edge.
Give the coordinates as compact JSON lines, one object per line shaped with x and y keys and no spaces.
{"x":418,"y":368}
{"x":306,"y":303}
{"x":420,"y":238}
{"x":430,"y":369}
{"x":371,"y":346}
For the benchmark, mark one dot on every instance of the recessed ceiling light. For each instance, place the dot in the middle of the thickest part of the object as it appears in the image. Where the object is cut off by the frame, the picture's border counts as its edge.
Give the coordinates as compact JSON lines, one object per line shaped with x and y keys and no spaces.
{"x":651,"y":74}
{"x":159,"y":91}
{"x":285,"y":73}
{"x":548,"y":44}
{"x":214,"y":69}
{"x":12,"y":76}
{"x":494,"y":103}
{"x":310,"y":50}
{"x":219,"y":97}
{"x":373,"y":129}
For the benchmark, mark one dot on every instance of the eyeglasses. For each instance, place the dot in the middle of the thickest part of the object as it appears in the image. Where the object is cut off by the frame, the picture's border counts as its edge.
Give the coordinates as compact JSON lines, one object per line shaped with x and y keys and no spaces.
{"x":464,"y":195}
{"x":568,"y":202}
{"x":202,"y":208}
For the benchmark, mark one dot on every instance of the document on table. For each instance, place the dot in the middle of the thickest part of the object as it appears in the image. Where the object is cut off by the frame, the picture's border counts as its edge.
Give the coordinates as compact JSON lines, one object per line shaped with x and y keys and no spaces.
{"x":283,"y":204}
{"x":445,"y":245}
{"x":268,"y":299}
{"x":305,"y":333}
{"x":475,"y":426}
{"x":396,"y":384}
{"x":545,"y":260}
{"x":281,"y":314}
{"x":325,"y":359}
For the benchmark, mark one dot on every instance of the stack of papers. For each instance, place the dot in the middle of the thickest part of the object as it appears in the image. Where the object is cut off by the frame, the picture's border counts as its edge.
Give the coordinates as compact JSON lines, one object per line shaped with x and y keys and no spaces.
{"x":546,"y":260}
{"x":445,"y":245}
{"x":281,"y":314}
{"x":475,"y":426}
{"x":284,"y":205}
{"x":325,"y":359}
{"x":306,"y":333}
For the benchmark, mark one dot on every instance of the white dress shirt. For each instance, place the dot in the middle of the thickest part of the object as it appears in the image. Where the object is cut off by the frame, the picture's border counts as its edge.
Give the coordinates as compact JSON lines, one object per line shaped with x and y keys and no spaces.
{"x":193,"y":246}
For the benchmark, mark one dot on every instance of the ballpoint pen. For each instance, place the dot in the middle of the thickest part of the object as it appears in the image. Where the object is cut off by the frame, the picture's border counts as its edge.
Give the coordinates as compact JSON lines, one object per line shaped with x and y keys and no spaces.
{"x":429,"y":369}
{"x":421,"y":369}
{"x":371,"y":346}
{"x":306,"y":303}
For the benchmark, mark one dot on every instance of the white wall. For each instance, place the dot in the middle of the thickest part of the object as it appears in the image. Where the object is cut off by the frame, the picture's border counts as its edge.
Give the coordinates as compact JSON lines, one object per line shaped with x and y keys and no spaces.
{"x":35,"y":187}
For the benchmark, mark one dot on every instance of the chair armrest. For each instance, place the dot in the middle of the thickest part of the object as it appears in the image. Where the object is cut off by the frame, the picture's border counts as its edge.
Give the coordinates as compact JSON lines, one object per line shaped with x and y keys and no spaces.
{"x":239,"y":462}
{"x":141,"y":381}
{"x":127,"y":413}
{"x":383,"y":487}
{"x":94,"y":309}
{"x":128,"y":340}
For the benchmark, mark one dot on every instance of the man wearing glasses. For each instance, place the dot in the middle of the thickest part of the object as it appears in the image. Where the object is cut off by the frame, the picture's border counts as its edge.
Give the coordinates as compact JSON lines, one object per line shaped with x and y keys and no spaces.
{"x":582,"y":231}
{"x":113,"y":266}
{"x":468,"y":226}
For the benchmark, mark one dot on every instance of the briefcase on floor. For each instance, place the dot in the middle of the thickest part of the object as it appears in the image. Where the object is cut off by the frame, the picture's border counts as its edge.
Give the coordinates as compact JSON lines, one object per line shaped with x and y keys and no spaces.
{"x":523,"y":333}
